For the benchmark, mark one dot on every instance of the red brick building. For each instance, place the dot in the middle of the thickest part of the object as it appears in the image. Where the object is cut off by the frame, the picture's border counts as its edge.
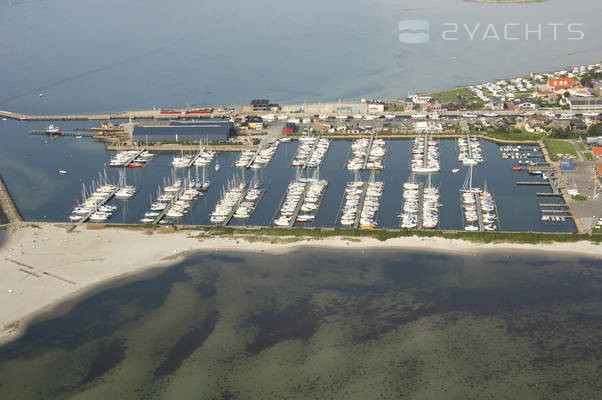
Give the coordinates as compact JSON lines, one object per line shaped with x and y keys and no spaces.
{"x":561,"y":83}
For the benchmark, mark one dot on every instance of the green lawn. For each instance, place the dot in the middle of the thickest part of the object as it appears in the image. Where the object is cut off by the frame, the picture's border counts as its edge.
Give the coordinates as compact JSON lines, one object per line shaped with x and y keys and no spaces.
{"x":455,"y":95}
{"x":556,"y":147}
{"x":582,"y":146}
{"x":517,"y":136}
{"x":589,"y":156}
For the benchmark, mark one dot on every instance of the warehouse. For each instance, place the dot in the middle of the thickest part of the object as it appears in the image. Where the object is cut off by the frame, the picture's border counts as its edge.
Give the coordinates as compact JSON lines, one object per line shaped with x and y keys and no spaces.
{"x":184,"y":131}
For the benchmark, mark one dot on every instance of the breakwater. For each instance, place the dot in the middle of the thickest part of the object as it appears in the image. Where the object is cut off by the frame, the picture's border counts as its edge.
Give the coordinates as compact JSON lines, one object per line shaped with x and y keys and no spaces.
{"x":9,"y":213}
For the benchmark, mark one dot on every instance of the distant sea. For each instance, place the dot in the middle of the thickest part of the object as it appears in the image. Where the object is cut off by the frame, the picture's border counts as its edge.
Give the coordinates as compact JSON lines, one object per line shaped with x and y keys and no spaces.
{"x":91,"y":56}
{"x":325,"y":324}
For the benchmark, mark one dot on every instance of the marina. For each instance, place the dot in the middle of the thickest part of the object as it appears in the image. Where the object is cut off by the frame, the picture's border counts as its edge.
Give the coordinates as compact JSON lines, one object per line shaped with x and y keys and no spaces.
{"x":275,"y":180}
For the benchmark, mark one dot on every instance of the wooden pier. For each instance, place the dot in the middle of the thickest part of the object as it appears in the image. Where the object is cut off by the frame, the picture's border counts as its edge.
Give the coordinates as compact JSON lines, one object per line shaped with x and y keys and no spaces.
{"x":130,"y":159}
{"x":196,"y":157}
{"x":235,"y":207}
{"x":73,"y":134}
{"x":252,"y":160}
{"x":367,"y":158}
{"x":162,"y":213}
{"x":420,"y":216}
{"x":311,"y":153}
{"x":549,"y":194}
{"x":479,"y":211}
{"x":298,"y":207}
{"x":554,"y":211}
{"x":533,"y":183}
{"x":104,"y":201}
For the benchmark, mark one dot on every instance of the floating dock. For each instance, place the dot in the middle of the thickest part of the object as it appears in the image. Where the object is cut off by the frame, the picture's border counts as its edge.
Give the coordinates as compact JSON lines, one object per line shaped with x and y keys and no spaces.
{"x":235,"y":207}
{"x":420,"y":216}
{"x":104,"y":201}
{"x":367,"y":158}
{"x":534,"y":183}
{"x":298,"y":207}
{"x":360,"y":206}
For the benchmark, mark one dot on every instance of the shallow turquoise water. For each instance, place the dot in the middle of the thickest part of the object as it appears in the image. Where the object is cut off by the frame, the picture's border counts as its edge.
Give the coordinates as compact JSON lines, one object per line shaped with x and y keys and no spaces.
{"x":325,"y":324}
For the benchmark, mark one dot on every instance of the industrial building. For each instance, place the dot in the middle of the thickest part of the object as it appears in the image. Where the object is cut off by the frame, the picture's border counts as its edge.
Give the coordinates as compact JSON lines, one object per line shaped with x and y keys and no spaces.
{"x":184,"y":131}
{"x":260,"y":104}
{"x":586,"y":104}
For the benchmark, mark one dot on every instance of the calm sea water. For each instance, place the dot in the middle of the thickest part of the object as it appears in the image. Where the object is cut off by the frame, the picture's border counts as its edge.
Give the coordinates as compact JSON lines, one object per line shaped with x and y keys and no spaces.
{"x":325,"y":324}
{"x":30,"y":167}
{"x":90,"y":56}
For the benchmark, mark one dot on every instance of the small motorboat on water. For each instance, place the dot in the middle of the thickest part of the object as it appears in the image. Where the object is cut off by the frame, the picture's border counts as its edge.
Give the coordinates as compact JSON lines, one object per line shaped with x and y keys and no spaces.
{"x":62,"y":172}
{"x":455,"y":170}
{"x":216,"y":166}
{"x":53,"y":130}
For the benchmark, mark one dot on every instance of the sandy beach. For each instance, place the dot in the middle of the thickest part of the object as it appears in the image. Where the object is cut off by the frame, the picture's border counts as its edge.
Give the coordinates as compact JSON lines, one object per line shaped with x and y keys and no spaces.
{"x":43,"y":265}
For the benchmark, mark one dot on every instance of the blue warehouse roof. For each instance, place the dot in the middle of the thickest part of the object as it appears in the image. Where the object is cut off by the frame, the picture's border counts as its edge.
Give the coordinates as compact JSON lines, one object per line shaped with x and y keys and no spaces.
{"x":184,"y":131}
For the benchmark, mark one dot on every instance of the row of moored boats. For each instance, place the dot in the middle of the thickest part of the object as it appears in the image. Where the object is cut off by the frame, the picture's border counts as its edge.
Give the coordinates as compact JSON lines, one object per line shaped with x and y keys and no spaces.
{"x":131,"y":158}
{"x":302,"y":201}
{"x":311,"y":151}
{"x":470,"y":151}
{"x":425,"y":155}
{"x":472,"y":200}
{"x":367,"y":153}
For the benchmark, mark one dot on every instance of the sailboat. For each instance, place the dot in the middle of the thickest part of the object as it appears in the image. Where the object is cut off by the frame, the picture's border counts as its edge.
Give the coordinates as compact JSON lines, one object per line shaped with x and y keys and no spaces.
{"x":467,"y":196}
{"x":125,"y":191}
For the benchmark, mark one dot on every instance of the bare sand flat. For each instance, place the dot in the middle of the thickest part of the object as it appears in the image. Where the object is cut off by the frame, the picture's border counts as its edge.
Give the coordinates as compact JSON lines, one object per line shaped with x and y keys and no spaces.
{"x":44,"y":265}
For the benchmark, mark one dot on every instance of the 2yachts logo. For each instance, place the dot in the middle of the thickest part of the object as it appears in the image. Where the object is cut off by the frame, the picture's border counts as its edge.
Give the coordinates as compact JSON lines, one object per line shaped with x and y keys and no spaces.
{"x":418,"y":31}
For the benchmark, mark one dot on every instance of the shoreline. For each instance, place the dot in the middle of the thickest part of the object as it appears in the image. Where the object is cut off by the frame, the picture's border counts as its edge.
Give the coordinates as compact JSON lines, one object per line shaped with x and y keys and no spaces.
{"x":87,"y":261}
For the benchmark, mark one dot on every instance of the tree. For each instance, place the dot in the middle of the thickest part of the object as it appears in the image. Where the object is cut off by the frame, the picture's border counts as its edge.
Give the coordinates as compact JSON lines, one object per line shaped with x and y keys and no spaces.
{"x":586,"y":79}
{"x":595,"y":129}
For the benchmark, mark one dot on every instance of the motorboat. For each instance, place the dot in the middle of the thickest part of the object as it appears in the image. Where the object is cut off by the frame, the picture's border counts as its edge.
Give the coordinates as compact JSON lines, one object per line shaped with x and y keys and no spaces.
{"x":53,"y":130}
